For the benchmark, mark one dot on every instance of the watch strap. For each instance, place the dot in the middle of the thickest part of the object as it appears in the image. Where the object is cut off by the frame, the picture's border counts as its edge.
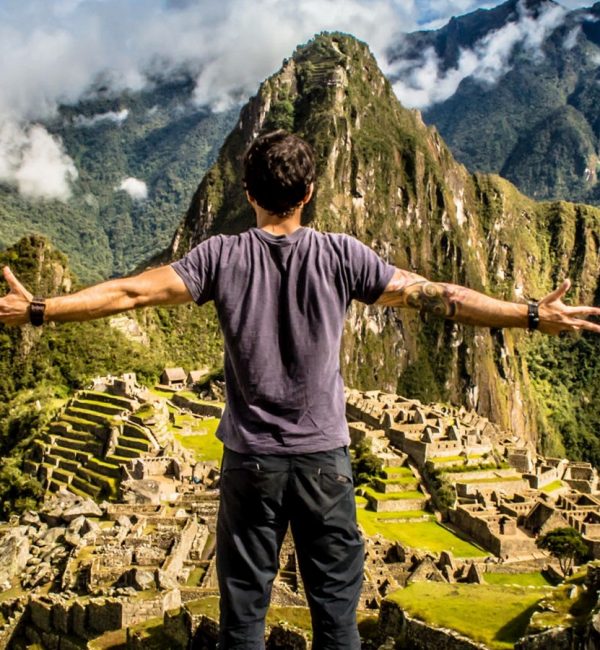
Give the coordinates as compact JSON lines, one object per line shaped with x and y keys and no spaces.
{"x":533,"y":315}
{"x":37,"y":307}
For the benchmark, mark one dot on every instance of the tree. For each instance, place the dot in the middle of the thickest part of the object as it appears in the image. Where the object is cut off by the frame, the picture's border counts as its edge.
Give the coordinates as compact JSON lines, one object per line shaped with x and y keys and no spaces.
{"x":365,"y":464}
{"x":565,"y":544}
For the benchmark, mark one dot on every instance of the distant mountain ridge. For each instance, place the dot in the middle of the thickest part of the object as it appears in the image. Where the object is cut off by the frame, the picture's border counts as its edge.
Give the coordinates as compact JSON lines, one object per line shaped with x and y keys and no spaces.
{"x":538,"y":124}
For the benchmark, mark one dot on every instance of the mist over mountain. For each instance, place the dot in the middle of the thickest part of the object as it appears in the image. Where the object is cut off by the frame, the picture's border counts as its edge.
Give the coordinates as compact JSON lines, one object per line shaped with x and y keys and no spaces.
{"x":513,"y":90}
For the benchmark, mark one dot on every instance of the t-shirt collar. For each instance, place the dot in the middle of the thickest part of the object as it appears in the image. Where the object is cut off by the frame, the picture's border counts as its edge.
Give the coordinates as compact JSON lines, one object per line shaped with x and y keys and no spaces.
{"x":280,"y":240}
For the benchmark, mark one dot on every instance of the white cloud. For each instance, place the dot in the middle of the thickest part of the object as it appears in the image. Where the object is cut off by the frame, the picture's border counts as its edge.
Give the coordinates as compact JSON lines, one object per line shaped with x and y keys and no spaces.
{"x":424,"y":83}
{"x":137,"y":189}
{"x":118,"y":117}
{"x":35,"y":162}
{"x":52,"y":51}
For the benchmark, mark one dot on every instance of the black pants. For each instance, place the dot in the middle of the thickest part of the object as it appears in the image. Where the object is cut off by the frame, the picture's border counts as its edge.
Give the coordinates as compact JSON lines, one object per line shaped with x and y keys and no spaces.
{"x":260,"y":495}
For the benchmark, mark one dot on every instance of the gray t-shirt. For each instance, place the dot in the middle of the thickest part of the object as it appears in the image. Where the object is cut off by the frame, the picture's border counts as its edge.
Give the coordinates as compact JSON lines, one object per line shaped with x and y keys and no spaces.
{"x":281,"y":302}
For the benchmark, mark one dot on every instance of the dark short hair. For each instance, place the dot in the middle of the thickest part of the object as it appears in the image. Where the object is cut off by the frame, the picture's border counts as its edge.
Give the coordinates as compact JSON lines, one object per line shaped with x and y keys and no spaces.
{"x":278,"y":170}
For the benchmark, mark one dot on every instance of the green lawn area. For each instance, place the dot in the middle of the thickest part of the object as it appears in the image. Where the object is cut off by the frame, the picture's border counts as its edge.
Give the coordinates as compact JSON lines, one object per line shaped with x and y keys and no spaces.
{"x":203,"y":442}
{"x":393,"y":472}
{"x":495,"y":479}
{"x":392,"y":496}
{"x":447,"y":459}
{"x":535,"y":579}
{"x":195,"y":577}
{"x":425,"y":535}
{"x":495,"y":615}
{"x":552,"y":486}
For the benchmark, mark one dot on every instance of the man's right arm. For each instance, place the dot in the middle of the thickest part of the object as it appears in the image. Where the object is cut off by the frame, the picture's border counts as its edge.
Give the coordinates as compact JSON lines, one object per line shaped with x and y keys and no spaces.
{"x":160,"y":286}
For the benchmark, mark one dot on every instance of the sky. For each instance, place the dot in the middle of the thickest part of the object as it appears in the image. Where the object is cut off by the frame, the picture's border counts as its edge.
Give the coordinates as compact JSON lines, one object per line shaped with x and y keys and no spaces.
{"x":51,"y":51}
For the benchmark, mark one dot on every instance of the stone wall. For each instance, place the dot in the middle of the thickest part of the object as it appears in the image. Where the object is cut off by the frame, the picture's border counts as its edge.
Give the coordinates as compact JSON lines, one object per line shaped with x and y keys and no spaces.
{"x":409,"y":632}
{"x":205,"y":409}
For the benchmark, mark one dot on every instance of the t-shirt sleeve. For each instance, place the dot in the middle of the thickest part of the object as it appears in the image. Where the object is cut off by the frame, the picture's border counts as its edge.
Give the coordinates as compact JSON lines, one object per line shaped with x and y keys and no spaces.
{"x":198,"y":269}
{"x":367,"y":274}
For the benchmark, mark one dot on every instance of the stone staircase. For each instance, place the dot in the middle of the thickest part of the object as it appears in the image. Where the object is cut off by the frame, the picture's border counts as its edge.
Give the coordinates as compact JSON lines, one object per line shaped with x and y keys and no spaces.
{"x":85,"y":449}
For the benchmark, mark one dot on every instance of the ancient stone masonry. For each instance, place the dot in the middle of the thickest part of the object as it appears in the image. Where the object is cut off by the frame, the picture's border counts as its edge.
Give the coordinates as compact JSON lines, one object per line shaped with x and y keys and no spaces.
{"x":113,"y":439}
{"x":85,"y":567}
{"x":506,"y":494}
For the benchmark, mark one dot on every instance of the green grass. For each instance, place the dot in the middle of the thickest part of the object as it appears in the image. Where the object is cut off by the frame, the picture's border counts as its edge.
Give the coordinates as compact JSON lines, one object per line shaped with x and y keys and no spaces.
{"x":444,"y":459}
{"x":496,"y":479}
{"x":393,"y":496}
{"x":552,"y":486}
{"x":535,"y":579}
{"x":204,"y":443}
{"x":495,"y":615}
{"x":423,"y":535}
{"x":393,"y":472}
{"x":195,"y":577}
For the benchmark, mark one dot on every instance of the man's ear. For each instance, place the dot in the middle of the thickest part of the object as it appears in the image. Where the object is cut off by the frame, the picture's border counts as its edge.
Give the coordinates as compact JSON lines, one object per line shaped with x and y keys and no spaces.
{"x":309,"y":194}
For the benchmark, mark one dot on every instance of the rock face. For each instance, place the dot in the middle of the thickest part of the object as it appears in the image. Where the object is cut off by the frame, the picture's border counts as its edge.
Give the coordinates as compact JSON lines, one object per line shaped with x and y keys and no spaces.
{"x":391,"y":181}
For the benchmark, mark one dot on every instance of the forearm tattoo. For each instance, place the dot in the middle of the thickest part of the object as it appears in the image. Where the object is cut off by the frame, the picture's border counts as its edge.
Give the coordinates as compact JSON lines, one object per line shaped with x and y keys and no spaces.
{"x":429,"y":297}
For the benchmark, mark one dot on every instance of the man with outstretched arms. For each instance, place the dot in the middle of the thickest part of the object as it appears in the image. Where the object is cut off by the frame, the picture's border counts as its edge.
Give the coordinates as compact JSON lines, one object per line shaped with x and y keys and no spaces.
{"x":281,"y":292}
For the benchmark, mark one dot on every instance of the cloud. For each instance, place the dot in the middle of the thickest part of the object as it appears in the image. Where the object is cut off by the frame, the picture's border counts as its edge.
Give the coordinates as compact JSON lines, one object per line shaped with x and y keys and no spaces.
{"x":52,"y":52}
{"x":35,"y":162}
{"x":423,"y":83}
{"x":118,"y":117}
{"x":137,"y":189}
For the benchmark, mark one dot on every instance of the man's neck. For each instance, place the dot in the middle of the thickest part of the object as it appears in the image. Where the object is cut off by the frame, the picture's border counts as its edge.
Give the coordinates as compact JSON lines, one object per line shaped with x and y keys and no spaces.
{"x":276,"y":225}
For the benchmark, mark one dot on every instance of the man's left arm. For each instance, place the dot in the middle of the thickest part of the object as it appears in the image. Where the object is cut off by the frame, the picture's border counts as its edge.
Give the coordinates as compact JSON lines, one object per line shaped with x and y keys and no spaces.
{"x":464,"y":305}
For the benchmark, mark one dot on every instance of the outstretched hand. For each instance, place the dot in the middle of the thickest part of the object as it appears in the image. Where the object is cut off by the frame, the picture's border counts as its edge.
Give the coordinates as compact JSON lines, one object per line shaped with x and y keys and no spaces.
{"x":14,"y":306}
{"x":556,"y":317}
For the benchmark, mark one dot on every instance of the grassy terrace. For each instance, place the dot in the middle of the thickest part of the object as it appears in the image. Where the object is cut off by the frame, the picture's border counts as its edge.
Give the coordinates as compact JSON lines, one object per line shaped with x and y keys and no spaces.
{"x":495,"y":615}
{"x":393,"y":496}
{"x":448,"y":459}
{"x":299,"y":617}
{"x":555,"y":485}
{"x":535,"y":579}
{"x":423,"y":535}
{"x":397,"y":472}
{"x":202,"y":441}
{"x":495,"y":479}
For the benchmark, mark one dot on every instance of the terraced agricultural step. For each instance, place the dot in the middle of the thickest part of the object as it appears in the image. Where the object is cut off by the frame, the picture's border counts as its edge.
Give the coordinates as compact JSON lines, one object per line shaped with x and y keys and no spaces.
{"x":54,"y":485}
{"x":90,"y":416}
{"x":80,"y":457}
{"x":82,"y":493}
{"x":126,"y":452}
{"x":104,"y":468}
{"x":104,"y":408}
{"x":105,"y":483}
{"x":84,"y":486}
{"x":30,"y":467}
{"x":80,"y":436}
{"x":119,"y":460}
{"x":116,"y":400}
{"x":132,"y":430}
{"x":62,"y":475}
{"x":135,"y":443}
{"x":67,"y":465}
{"x":84,"y":425}
{"x":78,"y":445}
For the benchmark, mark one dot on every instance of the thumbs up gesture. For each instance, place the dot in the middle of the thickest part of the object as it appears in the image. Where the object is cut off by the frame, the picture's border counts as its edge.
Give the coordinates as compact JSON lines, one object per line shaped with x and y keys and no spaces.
{"x":14,"y":306}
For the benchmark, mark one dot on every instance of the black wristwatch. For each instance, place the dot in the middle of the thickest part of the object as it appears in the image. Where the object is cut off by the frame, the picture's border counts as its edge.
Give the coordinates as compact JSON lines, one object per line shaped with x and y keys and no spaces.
{"x":533,"y":315}
{"x":37,"y":307}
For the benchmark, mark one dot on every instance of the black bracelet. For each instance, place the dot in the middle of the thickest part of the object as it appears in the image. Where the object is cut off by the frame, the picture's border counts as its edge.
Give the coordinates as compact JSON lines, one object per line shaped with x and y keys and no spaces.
{"x":37,"y":307}
{"x":533,"y":315}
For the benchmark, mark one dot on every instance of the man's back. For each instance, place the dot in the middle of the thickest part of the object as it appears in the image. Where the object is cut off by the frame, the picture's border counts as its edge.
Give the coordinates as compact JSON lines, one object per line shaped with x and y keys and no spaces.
{"x":281,"y":302}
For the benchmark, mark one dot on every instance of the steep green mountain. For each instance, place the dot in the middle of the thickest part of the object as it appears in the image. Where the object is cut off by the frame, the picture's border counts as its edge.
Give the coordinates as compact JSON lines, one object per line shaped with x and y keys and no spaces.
{"x":156,"y":136}
{"x":391,"y":181}
{"x":537,"y":124}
